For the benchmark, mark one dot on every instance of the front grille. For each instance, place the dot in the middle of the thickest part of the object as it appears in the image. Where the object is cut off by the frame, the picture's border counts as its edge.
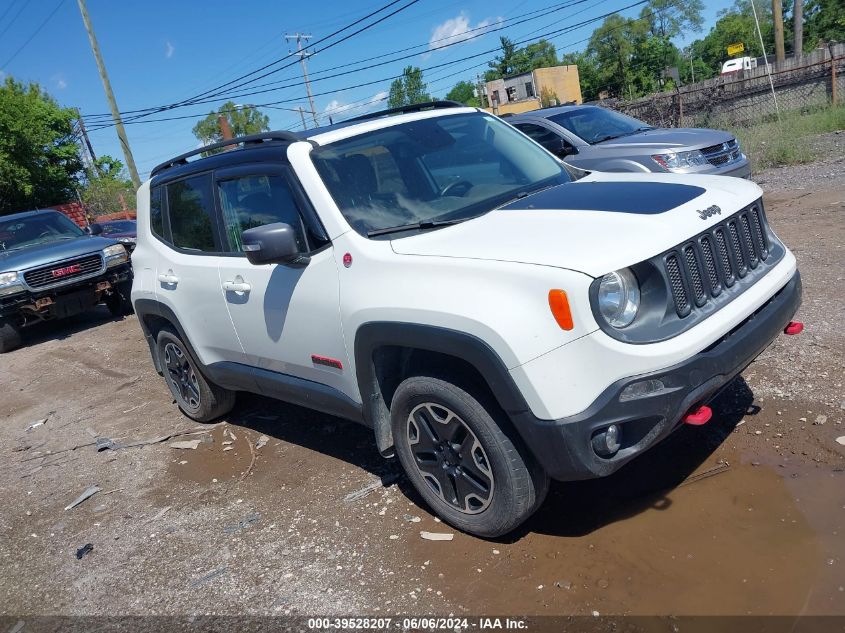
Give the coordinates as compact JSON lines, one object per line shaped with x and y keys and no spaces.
{"x":703,"y":267}
{"x":723,"y":153}
{"x":59,"y":272}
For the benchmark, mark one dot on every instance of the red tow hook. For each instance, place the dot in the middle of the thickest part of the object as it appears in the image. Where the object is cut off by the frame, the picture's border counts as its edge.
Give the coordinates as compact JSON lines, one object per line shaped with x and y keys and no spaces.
{"x":793,"y":327}
{"x":699,"y":416}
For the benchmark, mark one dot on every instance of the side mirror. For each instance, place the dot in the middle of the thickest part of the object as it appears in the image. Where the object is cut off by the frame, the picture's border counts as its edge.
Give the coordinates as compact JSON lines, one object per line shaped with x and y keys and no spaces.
{"x":95,"y":229}
{"x":273,"y":244}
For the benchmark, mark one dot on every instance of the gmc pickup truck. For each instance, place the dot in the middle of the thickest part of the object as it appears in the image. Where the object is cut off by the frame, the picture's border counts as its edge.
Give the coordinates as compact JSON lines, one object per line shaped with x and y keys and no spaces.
{"x":51,"y":269}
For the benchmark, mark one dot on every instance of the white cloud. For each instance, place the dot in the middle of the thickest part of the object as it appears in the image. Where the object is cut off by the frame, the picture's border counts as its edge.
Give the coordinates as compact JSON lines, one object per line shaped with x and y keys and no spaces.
{"x":169,"y":49}
{"x":340,"y":110}
{"x":456,"y":30}
{"x":59,"y":81}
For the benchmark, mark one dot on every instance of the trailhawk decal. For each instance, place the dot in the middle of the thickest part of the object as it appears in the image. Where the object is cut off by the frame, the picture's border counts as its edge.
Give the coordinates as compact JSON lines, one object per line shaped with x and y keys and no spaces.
{"x":648,"y":198}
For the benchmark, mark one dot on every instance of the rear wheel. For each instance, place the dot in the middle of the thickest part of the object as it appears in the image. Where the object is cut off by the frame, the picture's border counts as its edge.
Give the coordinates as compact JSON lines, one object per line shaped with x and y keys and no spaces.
{"x":10,"y":336}
{"x":468,"y":469}
{"x":197,"y":397}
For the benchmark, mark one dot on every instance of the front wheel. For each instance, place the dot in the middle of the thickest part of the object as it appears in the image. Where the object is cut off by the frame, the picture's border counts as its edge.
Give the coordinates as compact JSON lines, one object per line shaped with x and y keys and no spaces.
{"x":119,"y":302}
{"x":197,"y":397}
{"x":10,"y":336}
{"x":467,"y":468}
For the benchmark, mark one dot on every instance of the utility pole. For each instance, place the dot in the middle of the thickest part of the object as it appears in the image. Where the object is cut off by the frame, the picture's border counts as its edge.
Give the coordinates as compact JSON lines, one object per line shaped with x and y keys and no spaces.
{"x":302,"y":56}
{"x":302,"y":116}
{"x":798,"y":26}
{"x":92,"y":156}
{"x":766,"y":59}
{"x":480,"y":88}
{"x":115,"y":113}
{"x":777,"y":17}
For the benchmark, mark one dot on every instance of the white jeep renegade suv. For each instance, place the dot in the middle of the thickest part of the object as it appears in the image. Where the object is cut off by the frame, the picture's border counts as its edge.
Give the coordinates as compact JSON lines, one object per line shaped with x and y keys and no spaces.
{"x":436,"y":275}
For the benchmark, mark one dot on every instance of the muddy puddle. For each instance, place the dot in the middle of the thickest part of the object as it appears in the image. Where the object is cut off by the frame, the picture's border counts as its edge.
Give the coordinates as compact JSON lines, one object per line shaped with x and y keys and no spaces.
{"x":745,"y":541}
{"x":698,"y":525}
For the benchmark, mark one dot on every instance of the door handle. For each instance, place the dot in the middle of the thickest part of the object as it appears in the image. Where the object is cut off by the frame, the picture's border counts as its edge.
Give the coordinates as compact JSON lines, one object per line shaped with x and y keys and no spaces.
{"x":168,"y":278}
{"x":236,"y":286}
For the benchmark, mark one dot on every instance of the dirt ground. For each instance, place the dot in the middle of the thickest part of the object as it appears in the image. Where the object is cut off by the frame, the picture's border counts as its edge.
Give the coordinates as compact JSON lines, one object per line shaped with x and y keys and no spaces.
{"x":745,"y":515}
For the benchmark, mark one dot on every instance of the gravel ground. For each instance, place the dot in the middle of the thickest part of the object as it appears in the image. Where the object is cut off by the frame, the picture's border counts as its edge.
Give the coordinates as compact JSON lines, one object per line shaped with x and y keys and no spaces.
{"x":744,"y":515}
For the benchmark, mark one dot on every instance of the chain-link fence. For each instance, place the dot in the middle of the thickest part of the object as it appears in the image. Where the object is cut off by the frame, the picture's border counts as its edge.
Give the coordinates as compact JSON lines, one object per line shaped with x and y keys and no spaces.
{"x":813,"y":81}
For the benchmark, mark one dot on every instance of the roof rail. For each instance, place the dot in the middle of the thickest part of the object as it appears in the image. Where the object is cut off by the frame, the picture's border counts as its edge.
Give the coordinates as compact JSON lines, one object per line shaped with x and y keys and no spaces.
{"x":251,"y":139}
{"x":416,"y":107}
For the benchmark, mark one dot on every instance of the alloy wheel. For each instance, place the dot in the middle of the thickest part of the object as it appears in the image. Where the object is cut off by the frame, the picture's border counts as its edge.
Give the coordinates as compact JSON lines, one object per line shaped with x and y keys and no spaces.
{"x":450,"y":458}
{"x":182,"y":375}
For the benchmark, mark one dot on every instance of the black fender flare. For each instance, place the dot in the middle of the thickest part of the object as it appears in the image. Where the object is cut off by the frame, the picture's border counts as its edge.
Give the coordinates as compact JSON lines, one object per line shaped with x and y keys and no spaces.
{"x":151,"y":307}
{"x":471,"y":349}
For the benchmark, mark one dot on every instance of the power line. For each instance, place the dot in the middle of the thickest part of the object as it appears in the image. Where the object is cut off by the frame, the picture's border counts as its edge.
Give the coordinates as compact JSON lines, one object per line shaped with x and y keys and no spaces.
{"x":553,"y":33}
{"x":36,"y":32}
{"x":9,"y":8}
{"x":460,"y":39}
{"x":9,"y":25}
{"x":191,"y":100}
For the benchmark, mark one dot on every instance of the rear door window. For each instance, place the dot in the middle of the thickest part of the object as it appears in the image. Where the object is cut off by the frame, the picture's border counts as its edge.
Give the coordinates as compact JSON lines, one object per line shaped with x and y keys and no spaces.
{"x":190,"y":208}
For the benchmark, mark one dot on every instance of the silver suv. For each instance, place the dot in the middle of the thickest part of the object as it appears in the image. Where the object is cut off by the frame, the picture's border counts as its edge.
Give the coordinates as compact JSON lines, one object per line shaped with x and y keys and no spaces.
{"x":598,"y":139}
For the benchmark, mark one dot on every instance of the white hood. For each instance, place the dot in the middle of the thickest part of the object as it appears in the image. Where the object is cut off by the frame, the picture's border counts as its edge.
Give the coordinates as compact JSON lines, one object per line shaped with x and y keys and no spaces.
{"x":631,"y":228}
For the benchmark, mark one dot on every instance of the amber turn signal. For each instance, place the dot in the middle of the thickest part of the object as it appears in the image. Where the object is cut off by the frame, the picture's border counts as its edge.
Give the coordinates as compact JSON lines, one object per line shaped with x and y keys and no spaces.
{"x":559,"y":304}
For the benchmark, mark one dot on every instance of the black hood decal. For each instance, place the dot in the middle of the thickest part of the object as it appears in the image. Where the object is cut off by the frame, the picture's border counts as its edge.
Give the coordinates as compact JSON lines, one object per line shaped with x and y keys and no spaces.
{"x":621,"y":197}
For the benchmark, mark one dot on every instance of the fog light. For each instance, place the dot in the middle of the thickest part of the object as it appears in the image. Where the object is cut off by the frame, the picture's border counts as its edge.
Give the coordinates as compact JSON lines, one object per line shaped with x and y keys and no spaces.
{"x":608,"y":441}
{"x":641,"y":389}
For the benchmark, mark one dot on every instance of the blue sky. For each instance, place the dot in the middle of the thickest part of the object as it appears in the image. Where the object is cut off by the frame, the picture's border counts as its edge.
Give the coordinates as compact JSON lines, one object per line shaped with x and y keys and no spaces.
{"x":159,"y":52}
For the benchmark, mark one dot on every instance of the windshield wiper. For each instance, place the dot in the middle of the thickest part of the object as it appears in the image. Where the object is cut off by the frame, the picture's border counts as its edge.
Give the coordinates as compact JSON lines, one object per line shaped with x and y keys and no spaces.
{"x":425,"y":224}
{"x":610,"y":137}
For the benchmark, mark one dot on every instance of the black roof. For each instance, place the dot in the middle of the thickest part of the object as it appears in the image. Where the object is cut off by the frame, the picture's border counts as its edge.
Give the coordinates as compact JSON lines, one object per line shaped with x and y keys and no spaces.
{"x":284,"y":137}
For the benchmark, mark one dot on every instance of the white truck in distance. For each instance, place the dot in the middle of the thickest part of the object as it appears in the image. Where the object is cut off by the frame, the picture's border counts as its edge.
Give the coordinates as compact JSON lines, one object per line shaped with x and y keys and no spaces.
{"x":495,"y":317}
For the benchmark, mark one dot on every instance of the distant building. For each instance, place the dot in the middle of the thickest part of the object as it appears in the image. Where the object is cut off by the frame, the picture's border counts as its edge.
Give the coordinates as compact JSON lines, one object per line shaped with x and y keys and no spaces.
{"x":521,"y":93}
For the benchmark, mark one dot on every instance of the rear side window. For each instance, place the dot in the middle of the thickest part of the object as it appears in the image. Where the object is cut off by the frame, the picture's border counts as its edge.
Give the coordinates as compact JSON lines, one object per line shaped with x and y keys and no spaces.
{"x":543,"y":136}
{"x":156,"y":218}
{"x":190,"y":207}
{"x":256,"y":200}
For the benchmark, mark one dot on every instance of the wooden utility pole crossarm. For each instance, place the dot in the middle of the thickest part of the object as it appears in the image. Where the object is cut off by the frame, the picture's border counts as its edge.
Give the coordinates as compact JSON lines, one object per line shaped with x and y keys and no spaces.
{"x":115,"y":113}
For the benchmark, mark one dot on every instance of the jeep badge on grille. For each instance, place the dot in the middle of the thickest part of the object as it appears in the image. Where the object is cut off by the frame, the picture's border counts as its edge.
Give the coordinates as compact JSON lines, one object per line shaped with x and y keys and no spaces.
{"x":709,"y":212}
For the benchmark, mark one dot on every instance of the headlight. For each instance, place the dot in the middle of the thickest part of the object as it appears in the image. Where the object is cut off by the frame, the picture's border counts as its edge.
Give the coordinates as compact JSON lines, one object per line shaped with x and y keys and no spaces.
{"x":10,"y":283}
{"x":619,"y":298}
{"x":115,"y":254}
{"x":680,"y":160}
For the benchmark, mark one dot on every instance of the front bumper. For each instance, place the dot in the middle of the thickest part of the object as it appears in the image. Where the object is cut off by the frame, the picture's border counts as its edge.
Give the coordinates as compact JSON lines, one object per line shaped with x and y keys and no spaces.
{"x":564,"y":446}
{"x":66,"y":300}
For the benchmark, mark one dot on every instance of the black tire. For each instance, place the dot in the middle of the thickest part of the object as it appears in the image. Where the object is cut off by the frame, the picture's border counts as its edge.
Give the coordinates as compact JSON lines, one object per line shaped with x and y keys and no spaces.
{"x":10,"y":336}
{"x":487,"y":492}
{"x":196,"y":396}
{"x":119,"y":302}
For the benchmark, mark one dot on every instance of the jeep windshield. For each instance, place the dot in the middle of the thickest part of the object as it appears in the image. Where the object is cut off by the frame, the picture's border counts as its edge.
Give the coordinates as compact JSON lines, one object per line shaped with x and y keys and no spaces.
{"x":432,"y":173}
{"x":41,"y":228}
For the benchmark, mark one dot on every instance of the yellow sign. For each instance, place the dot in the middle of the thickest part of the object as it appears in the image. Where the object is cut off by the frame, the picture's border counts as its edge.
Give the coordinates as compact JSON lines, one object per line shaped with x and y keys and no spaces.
{"x":733,"y":49}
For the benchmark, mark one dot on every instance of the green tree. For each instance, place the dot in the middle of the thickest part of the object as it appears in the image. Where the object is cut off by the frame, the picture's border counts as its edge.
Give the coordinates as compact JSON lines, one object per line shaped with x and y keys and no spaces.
{"x":464,"y":92}
{"x":668,"y":18}
{"x":587,"y":73}
{"x":408,"y":89}
{"x":824,"y":21}
{"x":39,"y":156}
{"x":504,"y":64}
{"x":612,"y":47}
{"x":242,"y":119}
{"x":107,"y":188}
{"x":515,"y":61}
